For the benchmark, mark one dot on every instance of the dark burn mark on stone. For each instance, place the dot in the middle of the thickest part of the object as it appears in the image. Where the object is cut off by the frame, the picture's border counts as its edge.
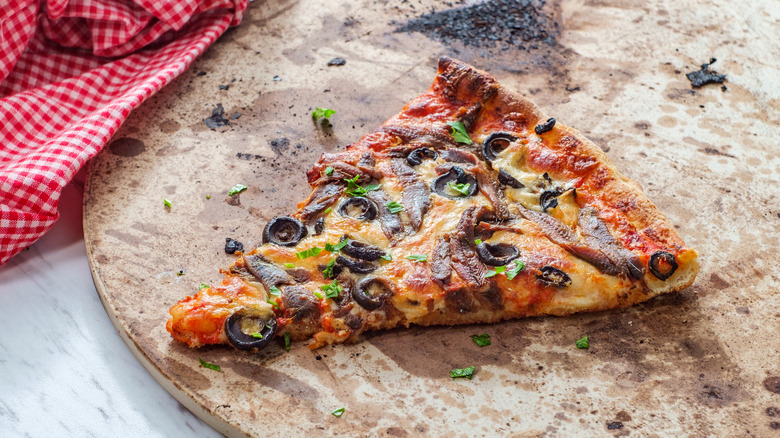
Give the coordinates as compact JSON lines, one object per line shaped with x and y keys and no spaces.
{"x":774,"y":425}
{"x":614,"y":425}
{"x":280,"y":145}
{"x":337,"y":62}
{"x":704,"y":76}
{"x":245,"y":156}
{"x":713,"y":151}
{"x":201,"y":73}
{"x":217,"y":118}
{"x":519,"y":23}
{"x":773,"y":411}
{"x":127,"y":147}
{"x":772,"y":384}
{"x":224,"y":87}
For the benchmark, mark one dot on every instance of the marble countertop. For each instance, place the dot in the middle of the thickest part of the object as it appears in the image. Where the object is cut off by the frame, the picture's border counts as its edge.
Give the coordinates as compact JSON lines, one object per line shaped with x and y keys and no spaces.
{"x":65,"y":370}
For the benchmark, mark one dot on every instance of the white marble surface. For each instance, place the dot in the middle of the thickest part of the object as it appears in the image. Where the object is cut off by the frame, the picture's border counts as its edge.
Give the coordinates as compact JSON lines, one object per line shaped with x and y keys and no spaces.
{"x":64,"y":371}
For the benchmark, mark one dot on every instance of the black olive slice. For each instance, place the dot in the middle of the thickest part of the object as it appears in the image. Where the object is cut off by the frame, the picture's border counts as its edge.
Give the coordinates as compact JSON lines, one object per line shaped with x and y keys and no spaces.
{"x":371,"y":293}
{"x":498,"y":254}
{"x":456,"y":175}
{"x":418,"y":155}
{"x":284,"y":231}
{"x":495,"y":143}
{"x":549,"y":199}
{"x":355,"y":266}
{"x":544,"y":127}
{"x":243,"y":323}
{"x":319,"y":226}
{"x":553,"y":276}
{"x":508,"y":180}
{"x":662,"y":264}
{"x":364,"y":205}
{"x":362,"y":251}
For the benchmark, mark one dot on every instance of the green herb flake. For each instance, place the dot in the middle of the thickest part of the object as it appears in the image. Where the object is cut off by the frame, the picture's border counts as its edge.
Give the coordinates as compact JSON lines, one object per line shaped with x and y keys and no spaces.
{"x":318,"y":295}
{"x":289,"y":265}
{"x":320,"y":113}
{"x":459,"y":133}
{"x":274,"y":291}
{"x":238,"y":188}
{"x":337,"y":247}
{"x":272,"y":303}
{"x":208,"y":196}
{"x":287,"y":342}
{"x":498,"y":270}
{"x":582,"y":342}
{"x":332,"y":290}
{"x":329,"y":170}
{"x":180,"y":273}
{"x":353,"y":189}
{"x":394,"y":207}
{"x":481,"y":340}
{"x":257,"y":335}
{"x":460,"y":373}
{"x":477,"y":241}
{"x":512,"y":272}
{"x":311,"y":252}
{"x":167,"y":203}
{"x":419,"y":258}
{"x":203,"y":286}
{"x":461,"y":188}
{"x":338,"y":412}
{"x":388,"y":257}
{"x":328,"y":271}
{"x":210,"y":366}
{"x":328,"y":210}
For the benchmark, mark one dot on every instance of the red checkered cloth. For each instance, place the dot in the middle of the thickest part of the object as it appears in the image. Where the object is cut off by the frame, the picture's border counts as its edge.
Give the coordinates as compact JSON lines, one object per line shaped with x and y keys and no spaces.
{"x":70,"y":73}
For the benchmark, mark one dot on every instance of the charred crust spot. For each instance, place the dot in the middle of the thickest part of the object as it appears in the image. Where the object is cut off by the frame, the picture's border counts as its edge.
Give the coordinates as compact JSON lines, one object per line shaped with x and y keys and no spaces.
{"x":545,"y":127}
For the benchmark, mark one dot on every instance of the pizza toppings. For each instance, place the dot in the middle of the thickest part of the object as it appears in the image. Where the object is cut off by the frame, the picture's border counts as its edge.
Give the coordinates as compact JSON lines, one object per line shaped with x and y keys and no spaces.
{"x":549,"y":199}
{"x":455,"y":183}
{"x":415,"y":193}
{"x":545,"y":127}
{"x":495,"y":144}
{"x":240,"y":326}
{"x":355,"y":266}
{"x":498,"y":254}
{"x":284,"y":231}
{"x":371,"y":292}
{"x":662,"y":264}
{"x":362,"y":251}
{"x":553,"y":276}
{"x":508,"y":180}
{"x":415,"y":158}
{"x":358,"y":207}
{"x":269,"y":274}
{"x":459,"y":133}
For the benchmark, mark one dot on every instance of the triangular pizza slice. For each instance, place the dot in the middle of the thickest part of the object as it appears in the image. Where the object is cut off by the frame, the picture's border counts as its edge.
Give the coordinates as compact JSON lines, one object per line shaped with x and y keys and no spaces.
{"x":469,"y":206}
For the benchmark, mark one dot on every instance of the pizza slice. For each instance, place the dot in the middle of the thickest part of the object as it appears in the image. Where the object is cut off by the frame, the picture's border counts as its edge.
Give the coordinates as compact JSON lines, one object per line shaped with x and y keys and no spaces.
{"x":468,"y":206}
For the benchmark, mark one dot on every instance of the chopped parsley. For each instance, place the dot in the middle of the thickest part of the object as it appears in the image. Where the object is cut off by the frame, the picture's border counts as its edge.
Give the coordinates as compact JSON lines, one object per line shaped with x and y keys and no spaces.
{"x":329,"y":170}
{"x":203,"y":286}
{"x":167,"y":203}
{"x":287,"y":342}
{"x":388,"y":257}
{"x":460,"y":373}
{"x":338,"y":412}
{"x":419,"y":258}
{"x":481,"y":340}
{"x":498,"y":270}
{"x":272,"y":303}
{"x":582,"y":342}
{"x":477,"y":241}
{"x":274,"y":291}
{"x":337,"y":247}
{"x":462,"y":188}
{"x":318,"y":295}
{"x":327,"y":210}
{"x":353,"y":189}
{"x":394,"y":207}
{"x":311,"y":252}
{"x":320,"y":113}
{"x":459,"y":133}
{"x":331,"y":290}
{"x":210,"y":366}
{"x":512,"y":272}
{"x":289,"y":265}
{"x":328,"y":271}
{"x":238,"y":188}
{"x":257,"y":335}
